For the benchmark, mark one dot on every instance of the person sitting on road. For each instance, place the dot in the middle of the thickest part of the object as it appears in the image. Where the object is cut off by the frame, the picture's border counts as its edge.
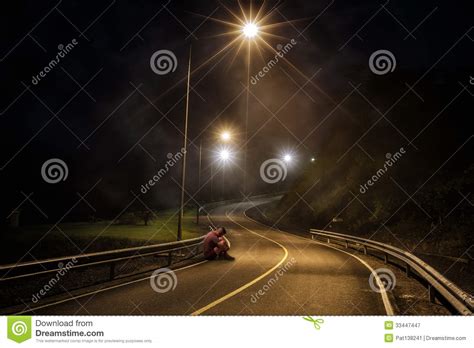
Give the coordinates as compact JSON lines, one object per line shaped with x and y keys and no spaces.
{"x":215,"y":245}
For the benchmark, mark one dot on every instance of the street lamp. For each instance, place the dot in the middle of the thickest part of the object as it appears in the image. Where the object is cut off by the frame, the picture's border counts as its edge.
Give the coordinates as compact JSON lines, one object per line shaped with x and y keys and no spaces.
{"x":250,"y":30}
{"x":224,"y":155}
{"x":287,"y":158}
{"x":225,"y":136}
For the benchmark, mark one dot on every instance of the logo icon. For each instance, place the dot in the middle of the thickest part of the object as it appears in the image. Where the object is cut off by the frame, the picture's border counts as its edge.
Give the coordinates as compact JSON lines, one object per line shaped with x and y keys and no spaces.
{"x":388,"y":338}
{"x":316,"y":322}
{"x":273,"y":170}
{"x":389,"y":325}
{"x":19,"y":328}
{"x":382,"y":62}
{"x":163,"y":62}
{"x":54,"y":170}
{"x":163,"y":280}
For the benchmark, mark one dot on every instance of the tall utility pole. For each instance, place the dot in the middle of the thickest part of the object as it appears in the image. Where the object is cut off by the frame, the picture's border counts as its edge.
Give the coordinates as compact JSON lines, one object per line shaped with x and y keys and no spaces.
{"x":185,"y":144}
{"x":246,"y":120}
{"x":199,"y":183}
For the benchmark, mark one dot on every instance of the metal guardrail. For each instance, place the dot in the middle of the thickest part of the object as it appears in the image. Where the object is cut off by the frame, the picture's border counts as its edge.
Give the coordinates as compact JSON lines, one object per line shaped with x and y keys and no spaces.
{"x":40,"y":269}
{"x":100,"y":266}
{"x":173,"y":251}
{"x":111,"y":258}
{"x":438,"y":285}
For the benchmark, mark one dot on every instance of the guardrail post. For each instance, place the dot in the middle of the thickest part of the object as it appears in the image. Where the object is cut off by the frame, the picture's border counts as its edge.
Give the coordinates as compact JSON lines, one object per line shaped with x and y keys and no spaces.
{"x":365,"y":250}
{"x":347,"y":244}
{"x":170,"y":258}
{"x":385,"y":258}
{"x":431,"y":293}
{"x":112,"y":271}
{"x":329,"y":241}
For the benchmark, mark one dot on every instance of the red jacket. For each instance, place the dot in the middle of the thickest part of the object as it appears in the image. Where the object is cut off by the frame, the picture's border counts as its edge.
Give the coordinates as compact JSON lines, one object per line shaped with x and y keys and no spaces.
{"x":210,"y":242}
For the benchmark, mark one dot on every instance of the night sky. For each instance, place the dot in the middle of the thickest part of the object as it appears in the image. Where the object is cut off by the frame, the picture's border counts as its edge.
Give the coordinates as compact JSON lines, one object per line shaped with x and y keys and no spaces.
{"x":112,"y":120}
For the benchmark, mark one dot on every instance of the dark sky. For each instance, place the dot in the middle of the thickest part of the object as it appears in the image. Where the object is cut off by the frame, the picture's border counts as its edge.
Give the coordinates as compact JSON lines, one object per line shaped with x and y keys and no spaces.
{"x":100,"y":109}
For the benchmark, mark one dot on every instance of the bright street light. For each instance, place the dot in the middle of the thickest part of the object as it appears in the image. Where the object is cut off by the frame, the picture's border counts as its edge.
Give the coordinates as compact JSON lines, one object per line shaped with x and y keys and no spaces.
{"x":250,"y":30}
{"x":224,"y":155}
{"x":287,"y":158}
{"x":225,"y":136}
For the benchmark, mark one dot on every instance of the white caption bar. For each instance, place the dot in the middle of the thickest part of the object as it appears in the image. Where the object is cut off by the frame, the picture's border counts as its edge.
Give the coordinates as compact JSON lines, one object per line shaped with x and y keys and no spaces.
{"x":211,"y":331}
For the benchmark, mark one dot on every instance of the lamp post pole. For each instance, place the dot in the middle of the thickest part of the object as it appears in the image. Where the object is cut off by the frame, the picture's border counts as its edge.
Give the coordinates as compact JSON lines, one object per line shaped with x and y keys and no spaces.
{"x":246,"y":120}
{"x":212,"y":182}
{"x":185,"y":144}
{"x":199,"y":183}
{"x":223,"y":183}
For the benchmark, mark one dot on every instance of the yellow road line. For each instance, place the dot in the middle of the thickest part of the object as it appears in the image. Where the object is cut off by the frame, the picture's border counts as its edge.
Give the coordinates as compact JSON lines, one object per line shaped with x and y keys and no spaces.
{"x":245,"y":286}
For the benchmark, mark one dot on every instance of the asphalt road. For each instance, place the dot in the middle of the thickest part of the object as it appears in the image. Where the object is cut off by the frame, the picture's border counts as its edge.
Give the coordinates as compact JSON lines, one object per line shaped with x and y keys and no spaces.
{"x":274,"y":273}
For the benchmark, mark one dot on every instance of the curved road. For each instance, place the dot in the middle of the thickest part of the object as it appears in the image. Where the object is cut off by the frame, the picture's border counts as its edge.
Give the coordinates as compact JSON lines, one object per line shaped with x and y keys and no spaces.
{"x":274,"y":273}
